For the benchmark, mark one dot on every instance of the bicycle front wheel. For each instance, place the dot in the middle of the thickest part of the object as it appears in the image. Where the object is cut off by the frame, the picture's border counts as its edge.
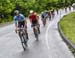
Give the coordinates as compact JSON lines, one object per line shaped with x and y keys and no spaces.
{"x":23,"y":42}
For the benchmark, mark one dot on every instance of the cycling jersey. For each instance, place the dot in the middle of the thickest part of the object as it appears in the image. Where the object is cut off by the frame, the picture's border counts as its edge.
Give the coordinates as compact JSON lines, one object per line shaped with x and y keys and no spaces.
{"x":44,"y":15}
{"x":33,"y":17}
{"x":19,"y":18}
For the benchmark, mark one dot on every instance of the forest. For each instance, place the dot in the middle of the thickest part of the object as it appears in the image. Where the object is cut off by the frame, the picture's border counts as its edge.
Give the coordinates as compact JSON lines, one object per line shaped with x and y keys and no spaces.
{"x":7,"y":7}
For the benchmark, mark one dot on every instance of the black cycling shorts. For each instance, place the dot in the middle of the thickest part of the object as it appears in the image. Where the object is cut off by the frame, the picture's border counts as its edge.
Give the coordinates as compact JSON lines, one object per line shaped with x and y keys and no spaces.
{"x":21,"y":24}
{"x":35,"y":22}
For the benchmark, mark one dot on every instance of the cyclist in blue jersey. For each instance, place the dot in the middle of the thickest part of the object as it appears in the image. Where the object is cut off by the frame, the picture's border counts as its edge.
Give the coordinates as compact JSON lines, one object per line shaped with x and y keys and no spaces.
{"x":20,"y":21}
{"x":44,"y":16}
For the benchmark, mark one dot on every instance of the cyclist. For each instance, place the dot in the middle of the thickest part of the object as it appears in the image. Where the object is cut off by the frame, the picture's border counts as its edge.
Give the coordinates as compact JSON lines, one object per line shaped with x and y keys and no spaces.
{"x":44,"y":16}
{"x":20,"y":22}
{"x":34,"y":20}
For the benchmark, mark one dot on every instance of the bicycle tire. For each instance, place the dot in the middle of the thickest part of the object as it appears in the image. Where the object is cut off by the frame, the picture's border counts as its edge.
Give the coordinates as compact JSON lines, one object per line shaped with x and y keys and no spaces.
{"x":23,"y":42}
{"x":25,"y":39}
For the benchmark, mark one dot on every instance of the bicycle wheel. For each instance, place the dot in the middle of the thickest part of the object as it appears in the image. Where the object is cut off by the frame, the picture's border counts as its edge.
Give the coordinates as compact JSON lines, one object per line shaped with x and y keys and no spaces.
{"x":23,"y":42}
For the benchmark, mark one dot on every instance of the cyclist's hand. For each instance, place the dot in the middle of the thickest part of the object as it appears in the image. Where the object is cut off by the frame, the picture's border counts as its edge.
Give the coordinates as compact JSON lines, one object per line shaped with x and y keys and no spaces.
{"x":16,"y":30}
{"x":31,"y":25}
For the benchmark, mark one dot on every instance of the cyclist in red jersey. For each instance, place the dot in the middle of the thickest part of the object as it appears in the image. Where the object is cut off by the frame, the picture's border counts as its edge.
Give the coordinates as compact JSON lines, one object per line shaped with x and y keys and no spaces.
{"x":34,"y":19}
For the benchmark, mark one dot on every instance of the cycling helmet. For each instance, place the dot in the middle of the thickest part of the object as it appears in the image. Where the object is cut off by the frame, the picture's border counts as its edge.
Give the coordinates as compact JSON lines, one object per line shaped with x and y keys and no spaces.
{"x":31,"y":11}
{"x":16,"y":12}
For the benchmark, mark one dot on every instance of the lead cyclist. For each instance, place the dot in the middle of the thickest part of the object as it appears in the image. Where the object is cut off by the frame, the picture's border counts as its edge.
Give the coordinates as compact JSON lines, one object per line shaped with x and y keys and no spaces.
{"x":20,"y":21}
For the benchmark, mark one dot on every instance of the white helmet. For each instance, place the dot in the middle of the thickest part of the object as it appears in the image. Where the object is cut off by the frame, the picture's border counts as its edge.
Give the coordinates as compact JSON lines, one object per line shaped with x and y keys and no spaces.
{"x":31,"y":11}
{"x":16,"y":12}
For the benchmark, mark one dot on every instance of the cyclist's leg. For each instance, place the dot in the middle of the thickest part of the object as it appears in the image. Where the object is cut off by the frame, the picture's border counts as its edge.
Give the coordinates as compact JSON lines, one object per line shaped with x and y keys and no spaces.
{"x":25,"y":35}
{"x":20,"y":35}
{"x":38,"y":27}
{"x":39,"y":30}
{"x":25,"y":27}
{"x":19,"y":26}
{"x":33,"y":24}
{"x":34,"y":30}
{"x":44,"y":21}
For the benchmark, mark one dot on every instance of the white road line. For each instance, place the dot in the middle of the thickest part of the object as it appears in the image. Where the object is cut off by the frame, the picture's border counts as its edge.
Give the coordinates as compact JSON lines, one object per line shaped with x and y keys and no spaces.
{"x":46,"y":37}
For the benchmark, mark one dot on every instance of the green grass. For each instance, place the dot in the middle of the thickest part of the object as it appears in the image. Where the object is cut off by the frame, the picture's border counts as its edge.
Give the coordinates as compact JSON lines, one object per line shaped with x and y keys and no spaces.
{"x":67,"y":25}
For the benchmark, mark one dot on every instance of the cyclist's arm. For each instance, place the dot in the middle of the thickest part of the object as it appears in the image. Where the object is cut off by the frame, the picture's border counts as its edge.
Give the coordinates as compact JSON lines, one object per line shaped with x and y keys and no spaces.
{"x":30,"y":19}
{"x":15,"y":21}
{"x":25,"y":22}
{"x":16,"y":24}
{"x":37,"y":17}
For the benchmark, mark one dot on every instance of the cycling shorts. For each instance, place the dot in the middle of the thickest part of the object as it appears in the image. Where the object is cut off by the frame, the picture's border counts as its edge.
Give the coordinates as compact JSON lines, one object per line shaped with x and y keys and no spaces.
{"x":21,"y":24}
{"x":34,"y":23}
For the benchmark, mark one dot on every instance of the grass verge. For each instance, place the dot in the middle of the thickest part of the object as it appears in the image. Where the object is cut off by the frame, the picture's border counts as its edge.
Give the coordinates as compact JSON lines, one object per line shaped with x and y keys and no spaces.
{"x":67,"y":25}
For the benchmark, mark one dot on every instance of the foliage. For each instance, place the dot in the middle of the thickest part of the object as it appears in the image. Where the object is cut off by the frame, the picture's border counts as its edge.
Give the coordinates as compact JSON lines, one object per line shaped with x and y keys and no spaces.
{"x":7,"y":7}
